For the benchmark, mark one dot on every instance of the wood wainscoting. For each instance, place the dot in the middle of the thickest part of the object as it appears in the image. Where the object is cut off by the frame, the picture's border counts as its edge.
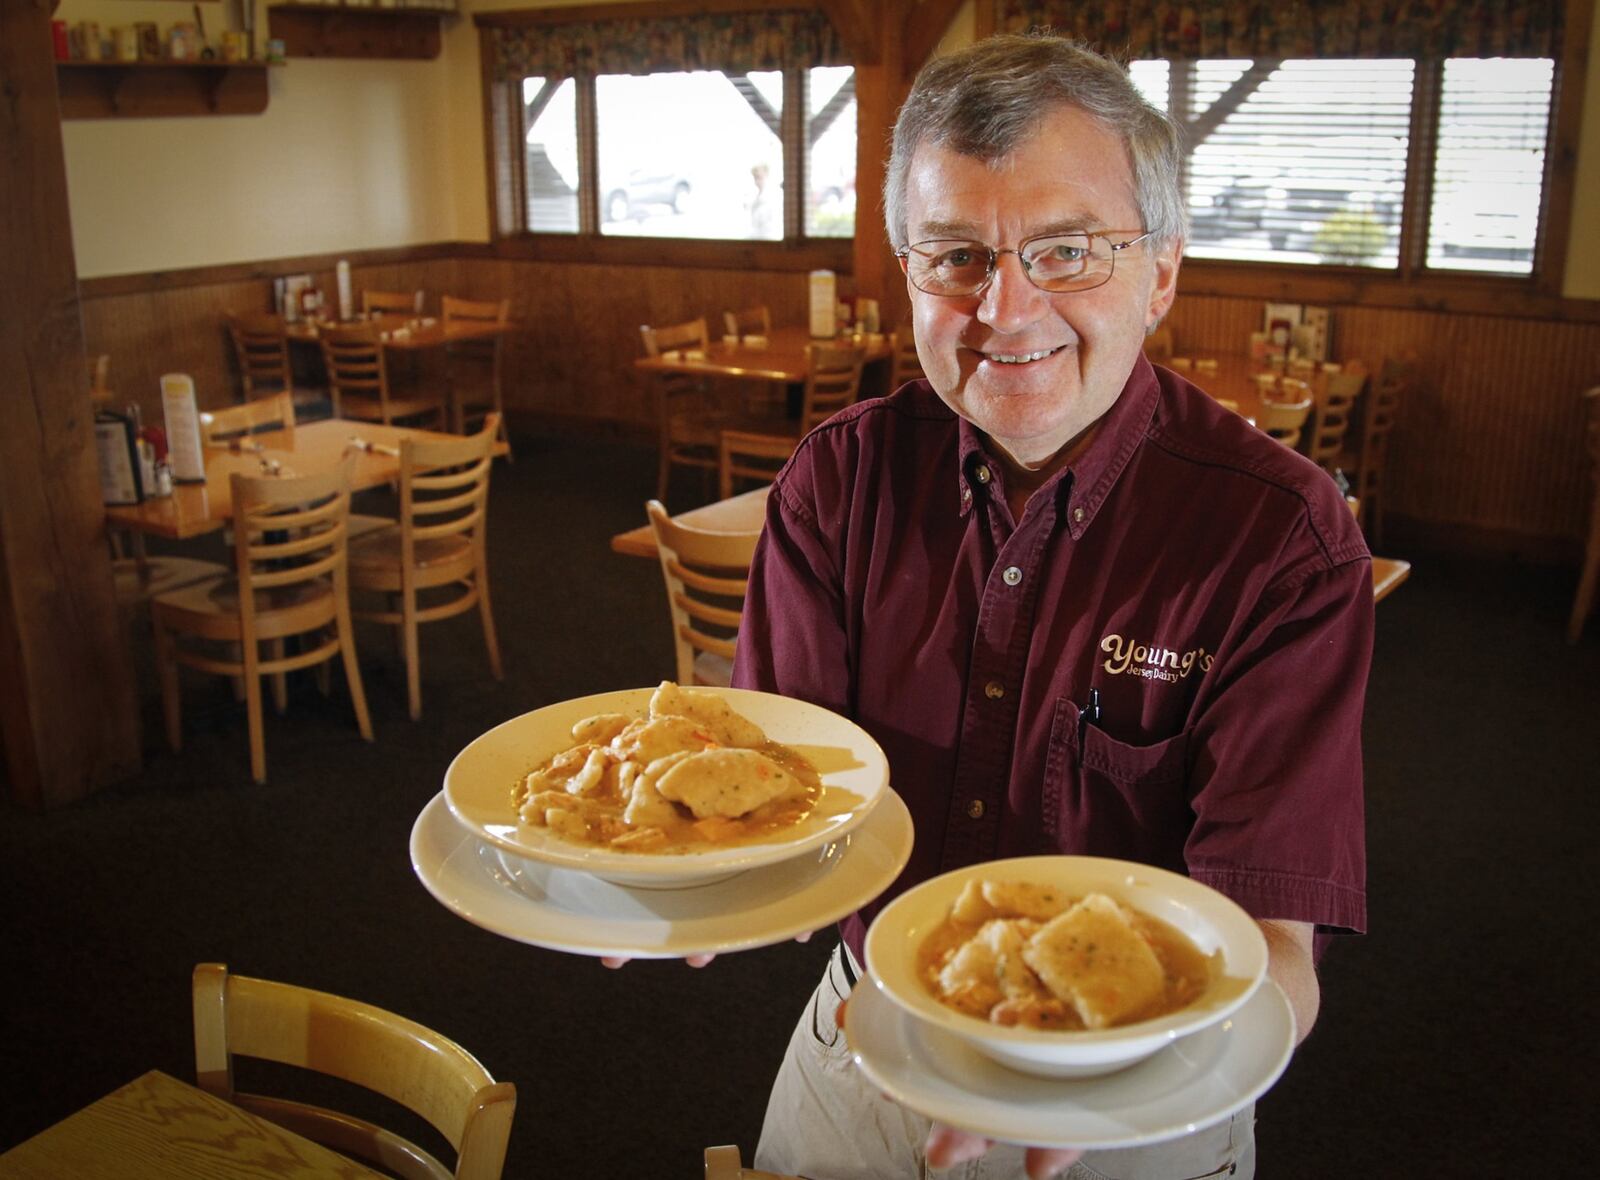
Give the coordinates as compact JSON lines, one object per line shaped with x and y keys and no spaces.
{"x":1488,"y":449}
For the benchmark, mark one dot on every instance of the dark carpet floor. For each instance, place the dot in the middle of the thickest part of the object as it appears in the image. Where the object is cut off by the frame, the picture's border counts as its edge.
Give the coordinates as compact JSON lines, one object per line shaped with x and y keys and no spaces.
{"x":1456,"y":1039}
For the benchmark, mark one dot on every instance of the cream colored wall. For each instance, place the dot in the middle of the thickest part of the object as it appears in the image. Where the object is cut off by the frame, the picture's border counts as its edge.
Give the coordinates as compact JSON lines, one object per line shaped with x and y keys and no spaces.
{"x":1583,"y":251}
{"x":347,"y":156}
{"x":353,"y":155}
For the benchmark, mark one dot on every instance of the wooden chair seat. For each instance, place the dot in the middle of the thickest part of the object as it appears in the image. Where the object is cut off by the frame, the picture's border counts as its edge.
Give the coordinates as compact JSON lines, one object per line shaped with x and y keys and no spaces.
{"x":136,"y":579}
{"x":439,"y":560}
{"x":400,"y":407}
{"x":210,"y":609}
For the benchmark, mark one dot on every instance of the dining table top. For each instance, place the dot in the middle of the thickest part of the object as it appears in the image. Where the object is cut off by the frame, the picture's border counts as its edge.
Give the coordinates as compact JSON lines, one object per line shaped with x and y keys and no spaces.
{"x":781,"y":357}
{"x":747,"y":513}
{"x":1232,"y":379}
{"x":158,"y":1128}
{"x":412,"y":333}
{"x":197,"y":508}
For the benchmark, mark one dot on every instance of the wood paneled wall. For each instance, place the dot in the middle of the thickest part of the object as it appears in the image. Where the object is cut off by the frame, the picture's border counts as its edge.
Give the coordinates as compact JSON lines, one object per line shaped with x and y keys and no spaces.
{"x":1488,"y":448}
{"x":1491,"y":441}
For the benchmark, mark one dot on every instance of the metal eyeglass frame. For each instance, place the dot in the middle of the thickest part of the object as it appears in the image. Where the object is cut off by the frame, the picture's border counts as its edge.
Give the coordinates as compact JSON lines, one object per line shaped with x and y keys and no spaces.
{"x":904,"y":255}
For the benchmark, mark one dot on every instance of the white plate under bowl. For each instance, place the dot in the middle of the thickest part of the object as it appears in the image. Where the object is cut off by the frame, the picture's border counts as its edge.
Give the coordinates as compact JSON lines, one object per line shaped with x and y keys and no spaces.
{"x":1214,"y":923}
{"x":539,"y":904}
{"x":1190,"y":1084}
{"x":479,"y":782}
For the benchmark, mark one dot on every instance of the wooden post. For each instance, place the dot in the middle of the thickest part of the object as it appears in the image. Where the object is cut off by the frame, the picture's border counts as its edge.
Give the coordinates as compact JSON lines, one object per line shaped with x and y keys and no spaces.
{"x":68,"y":705}
{"x":880,"y":89}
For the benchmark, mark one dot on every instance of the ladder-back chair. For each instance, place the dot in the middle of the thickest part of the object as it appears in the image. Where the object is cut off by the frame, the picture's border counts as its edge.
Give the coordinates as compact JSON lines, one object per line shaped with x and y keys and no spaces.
{"x":406,"y":1062}
{"x":1383,"y":400}
{"x":475,"y":366}
{"x":358,"y":378}
{"x":1334,"y":405}
{"x":905,"y":364}
{"x":230,"y":423}
{"x":391,"y":302}
{"x":440,"y":543}
{"x":1284,"y":417}
{"x":289,"y":579}
{"x":750,"y":321}
{"x":706,"y":574}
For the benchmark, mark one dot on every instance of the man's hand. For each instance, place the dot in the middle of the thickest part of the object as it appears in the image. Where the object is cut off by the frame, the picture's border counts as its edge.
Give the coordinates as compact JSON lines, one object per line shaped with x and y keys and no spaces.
{"x":946,"y":1145}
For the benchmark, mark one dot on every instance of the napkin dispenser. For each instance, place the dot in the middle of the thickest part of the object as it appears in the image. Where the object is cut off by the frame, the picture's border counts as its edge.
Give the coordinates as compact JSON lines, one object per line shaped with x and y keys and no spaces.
{"x":183,"y":428}
{"x":824,"y":305}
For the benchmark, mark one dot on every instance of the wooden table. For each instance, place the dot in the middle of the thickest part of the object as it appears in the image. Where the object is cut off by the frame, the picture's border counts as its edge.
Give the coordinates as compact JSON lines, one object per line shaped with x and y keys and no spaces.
{"x":406,"y":333}
{"x":782,"y":360}
{"x":747,"y":513}
{"x":195,"y":509}
{"x":158,"y":1128}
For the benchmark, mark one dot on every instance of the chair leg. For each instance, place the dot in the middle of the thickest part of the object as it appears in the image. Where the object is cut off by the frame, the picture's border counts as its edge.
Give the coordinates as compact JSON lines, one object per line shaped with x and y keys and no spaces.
{"x":280,"y":682}
{"x":664,"y":474}
{"x":171,"y":703}
{"x":490,"y":641}
{"x":505,"y":431}
{"x":413,"y":658}
{"x":252,"y":705}
{"x":1583,"y":601}
{"x":352,"y":670}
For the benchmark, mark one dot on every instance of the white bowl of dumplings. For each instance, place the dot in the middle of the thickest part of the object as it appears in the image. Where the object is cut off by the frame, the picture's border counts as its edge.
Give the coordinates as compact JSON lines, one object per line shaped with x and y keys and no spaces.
{"x":1066,"y":966}
{"x":481,"y":783}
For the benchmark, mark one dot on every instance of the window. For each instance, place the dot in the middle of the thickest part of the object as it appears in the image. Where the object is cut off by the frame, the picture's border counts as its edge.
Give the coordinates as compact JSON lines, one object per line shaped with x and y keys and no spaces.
{"x":691,"y":154}
{"x":1307,"y":161}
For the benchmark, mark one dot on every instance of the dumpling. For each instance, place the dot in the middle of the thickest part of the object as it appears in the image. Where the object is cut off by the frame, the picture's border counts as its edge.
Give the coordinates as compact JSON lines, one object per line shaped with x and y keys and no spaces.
{"x":726,"y":782}
{"x":1093,"y":958}
{"x":726,"y":727}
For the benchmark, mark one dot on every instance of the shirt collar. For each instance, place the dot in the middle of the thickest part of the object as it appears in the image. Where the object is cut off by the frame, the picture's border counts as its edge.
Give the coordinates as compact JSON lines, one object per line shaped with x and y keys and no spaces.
{"x":1088,"y":482}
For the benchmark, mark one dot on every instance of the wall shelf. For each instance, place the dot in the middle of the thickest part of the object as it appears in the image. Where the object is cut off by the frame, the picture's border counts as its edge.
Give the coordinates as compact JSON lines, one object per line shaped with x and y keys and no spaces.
{"x":154,"y":89}
{"x":330,"y":30}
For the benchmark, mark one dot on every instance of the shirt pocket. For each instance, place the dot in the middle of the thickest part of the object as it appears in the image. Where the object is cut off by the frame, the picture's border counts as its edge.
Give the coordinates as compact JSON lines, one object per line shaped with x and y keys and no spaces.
{"x":1107,"y":797}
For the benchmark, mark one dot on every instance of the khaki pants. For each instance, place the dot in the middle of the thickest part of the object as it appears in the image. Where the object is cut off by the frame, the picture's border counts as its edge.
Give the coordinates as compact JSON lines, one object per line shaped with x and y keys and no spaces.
{"x":827,"y":1121}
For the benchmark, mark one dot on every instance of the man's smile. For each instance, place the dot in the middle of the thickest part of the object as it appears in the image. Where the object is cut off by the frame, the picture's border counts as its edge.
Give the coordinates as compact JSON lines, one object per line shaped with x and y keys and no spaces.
{"x":1019,"y":358}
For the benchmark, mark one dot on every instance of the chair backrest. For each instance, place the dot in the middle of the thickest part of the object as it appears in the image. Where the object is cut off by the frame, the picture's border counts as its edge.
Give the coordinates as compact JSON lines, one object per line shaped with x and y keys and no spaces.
{"x":833,"y":381}
{"x":906,"y":365}
{"x":659,"y":340}
{"x":751,"y":321}
{"x":261,"y":345}
{"x":444,"y":489}
{"x":705,"y":574}
{"x":393,"y":302}
{"x":235,"y":1015}
{"x":1335,"y":400}
{"x":756,"y":458}
{"x":353,"y":356}
{"x":289,"y":530}
{"x":485,"y":348}
{"x":1284,"y":419}
{"x":100,"y":393}
{"x":233,"y":422}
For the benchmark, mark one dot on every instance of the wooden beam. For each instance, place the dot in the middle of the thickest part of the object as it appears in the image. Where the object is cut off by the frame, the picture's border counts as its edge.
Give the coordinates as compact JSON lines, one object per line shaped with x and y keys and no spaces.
{"x":68,"y":707}
{"x":925,"y":24}
{"x":757,"y":102}
{"x":859,"y":24}
{"x":1198,"y":129}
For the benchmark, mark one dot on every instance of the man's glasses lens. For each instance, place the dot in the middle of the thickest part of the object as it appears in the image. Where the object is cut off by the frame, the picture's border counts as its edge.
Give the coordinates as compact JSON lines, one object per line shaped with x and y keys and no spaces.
{"x":1059,"y":262}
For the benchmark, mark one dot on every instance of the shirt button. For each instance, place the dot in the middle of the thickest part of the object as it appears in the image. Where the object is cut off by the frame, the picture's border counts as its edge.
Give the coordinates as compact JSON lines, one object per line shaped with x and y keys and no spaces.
{"x":983,"y":474}
{"x":966,"y":495}
{"x":1011,"y":575}
{"x":1077,"y":515}
{"x":975,"y":809}
{"x":994,"y":690}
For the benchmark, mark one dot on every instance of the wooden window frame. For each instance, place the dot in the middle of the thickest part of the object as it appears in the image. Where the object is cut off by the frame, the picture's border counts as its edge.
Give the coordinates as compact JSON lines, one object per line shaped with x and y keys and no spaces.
{"x":511,"y":238}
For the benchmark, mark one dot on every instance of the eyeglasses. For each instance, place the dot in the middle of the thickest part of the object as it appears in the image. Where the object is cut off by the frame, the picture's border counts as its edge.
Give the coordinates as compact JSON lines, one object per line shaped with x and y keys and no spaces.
{"x":1052,"y":262}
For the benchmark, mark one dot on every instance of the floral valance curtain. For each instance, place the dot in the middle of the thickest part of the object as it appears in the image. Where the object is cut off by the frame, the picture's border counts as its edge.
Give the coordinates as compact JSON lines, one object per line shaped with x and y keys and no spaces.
{"x":1427,"y":29}
{"x":734,"y":41}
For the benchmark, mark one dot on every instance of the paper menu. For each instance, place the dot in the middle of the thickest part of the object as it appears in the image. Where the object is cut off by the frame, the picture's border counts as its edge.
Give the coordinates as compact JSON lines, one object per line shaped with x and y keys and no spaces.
{"x":182,"y":418}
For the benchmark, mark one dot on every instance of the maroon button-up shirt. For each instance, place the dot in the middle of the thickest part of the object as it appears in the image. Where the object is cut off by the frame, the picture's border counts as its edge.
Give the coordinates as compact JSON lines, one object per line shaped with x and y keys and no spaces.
{"x":1209,"y":582}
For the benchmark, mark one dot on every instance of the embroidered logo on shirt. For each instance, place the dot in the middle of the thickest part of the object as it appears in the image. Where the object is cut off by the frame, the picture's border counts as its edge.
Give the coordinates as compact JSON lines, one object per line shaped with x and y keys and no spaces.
{"x":1153,"y":663}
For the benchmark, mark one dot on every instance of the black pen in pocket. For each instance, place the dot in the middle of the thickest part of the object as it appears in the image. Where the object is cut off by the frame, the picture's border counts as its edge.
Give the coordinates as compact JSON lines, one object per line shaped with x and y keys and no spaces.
{"x":1087,"y":716}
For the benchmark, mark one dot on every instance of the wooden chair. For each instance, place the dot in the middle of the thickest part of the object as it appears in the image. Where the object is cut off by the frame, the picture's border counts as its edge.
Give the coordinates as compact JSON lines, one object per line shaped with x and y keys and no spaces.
{"x":275,"y":411}
{"x":1335,"y":400}
{"x":261,"y":349}
{"x":1583,"y":601}
{"x":440,"y":542}
{"x":705,"y":575}
{"x":423,"y":1071}
{"x":358,"y":378}
{"x":391,"y":302}
{"x":723,"y":1163}
{"x":1383,"y":406}
{"x":751,"y":321}
{"x":905,"y":364}
{"x":100,"y":392}
{"x":476,"y":364}
{"x":289,"y":580}
{"x":1284,"y":419}
{"x":689,"y":417}
{"x":751,"y":458}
